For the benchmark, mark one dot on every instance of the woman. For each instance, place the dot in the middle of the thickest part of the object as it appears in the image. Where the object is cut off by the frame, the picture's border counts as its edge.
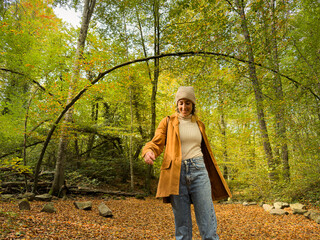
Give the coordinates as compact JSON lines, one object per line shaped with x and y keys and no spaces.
{"x":189,"y":173}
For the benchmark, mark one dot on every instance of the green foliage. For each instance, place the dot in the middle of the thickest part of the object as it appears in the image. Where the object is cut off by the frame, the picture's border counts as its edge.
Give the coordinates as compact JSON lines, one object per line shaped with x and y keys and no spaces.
{"x":75,"y":178}
{"x":140,"y":197}
{"x":98,"y":169}
{"x":36,"y":47}
{"x":15,"y":164}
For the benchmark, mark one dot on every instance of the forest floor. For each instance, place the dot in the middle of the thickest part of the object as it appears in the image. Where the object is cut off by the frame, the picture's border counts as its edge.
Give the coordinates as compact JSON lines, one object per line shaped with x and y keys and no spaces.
{"x":144,"y":219}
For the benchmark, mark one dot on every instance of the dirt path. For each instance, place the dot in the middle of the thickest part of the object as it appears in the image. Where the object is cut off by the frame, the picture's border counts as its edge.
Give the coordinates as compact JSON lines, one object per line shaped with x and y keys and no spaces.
{"x":145,"y":219}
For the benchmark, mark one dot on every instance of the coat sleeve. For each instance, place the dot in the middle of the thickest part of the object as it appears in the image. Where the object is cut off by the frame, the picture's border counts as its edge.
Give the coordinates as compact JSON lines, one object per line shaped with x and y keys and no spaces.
{"x":157,"y":143}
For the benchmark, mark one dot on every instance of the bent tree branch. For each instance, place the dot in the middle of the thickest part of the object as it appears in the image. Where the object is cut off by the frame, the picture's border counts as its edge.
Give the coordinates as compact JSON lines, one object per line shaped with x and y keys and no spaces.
{"x":34,"y":81}
{"x":176,"y":54}
{"x":20,"y":149}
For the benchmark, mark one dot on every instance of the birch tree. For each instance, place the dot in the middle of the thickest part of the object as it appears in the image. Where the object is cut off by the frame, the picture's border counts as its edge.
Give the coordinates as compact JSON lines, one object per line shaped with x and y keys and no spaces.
{"x":257,"y":91}
{"x":59,"y":177}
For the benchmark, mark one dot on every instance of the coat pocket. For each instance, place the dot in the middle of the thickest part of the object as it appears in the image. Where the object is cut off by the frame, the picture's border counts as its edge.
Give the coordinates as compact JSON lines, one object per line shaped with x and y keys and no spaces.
{"x":166,"y":164}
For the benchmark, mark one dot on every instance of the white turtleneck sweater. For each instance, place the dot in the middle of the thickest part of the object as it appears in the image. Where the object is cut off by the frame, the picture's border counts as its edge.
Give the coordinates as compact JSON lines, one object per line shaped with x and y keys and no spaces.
{"x":190,"y":137}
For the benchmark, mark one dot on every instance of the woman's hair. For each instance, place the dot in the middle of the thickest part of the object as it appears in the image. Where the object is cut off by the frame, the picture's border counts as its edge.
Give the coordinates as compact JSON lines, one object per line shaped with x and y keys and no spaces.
{"x":192,"y":111}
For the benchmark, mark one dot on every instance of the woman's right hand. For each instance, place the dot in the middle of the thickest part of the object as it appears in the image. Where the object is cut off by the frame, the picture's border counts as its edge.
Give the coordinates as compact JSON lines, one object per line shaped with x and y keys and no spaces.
{"x":149,"y":157}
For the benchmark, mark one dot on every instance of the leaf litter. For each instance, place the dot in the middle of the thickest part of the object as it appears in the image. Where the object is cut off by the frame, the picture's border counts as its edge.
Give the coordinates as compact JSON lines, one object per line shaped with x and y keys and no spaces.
{"x":145,"y":219}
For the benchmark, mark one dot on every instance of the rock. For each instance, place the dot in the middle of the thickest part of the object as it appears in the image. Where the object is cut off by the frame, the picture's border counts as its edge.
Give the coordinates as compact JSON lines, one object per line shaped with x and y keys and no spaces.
{"x":267,"y":207}
{"x":278,"y":212}
{"x":230,"y":201}
{"x":317,"y":219}
{"x":55,"y":198}
{"x":249,"y":203}
{"x":104,"y":211}
{"x":313,"y":215}
{"x":297,"y":206}
{"x":307,"y":214}
{"x":49,"y":208}
{"x":83,"y":205}
{"x":24,"y":204}
{"x":28,"y":195}
{"x":280,"y":205}
{"x":7,"y":197}
{"x":285,"y":205}
{"x":43,"y":197}
{"x":299,"y":211}
{"x":277,"y":205}
{"x":140,"y":196}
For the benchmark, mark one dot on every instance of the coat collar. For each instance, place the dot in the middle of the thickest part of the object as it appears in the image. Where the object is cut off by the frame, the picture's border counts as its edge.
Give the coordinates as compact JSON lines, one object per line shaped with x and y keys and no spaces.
{"x":175,"y":118}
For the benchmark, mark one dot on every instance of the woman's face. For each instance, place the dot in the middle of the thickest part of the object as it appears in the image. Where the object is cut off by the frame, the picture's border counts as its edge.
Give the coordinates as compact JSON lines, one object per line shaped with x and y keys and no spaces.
{"x":185,"y":107}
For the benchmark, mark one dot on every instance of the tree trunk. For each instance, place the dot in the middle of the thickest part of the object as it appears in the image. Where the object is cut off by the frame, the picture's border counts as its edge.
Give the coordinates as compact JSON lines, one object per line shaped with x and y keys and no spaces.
{"x":223,"y":127}
{"x":279,"y":106}
{"x":77,"y":150}
{"x":258,"y":94}
{"x":63,"y":143}
{"x":131,"y":140}
{"x":130,"y":81}
{"x":224,"y":146}
{"x":24,"y":154}
{"x":94,"y":117}
{"x":135,"y":102}
{"x":143,"y":44}
{"x":318,"y":102}
{"x":156,"y":16}
{"x":156,"y":66}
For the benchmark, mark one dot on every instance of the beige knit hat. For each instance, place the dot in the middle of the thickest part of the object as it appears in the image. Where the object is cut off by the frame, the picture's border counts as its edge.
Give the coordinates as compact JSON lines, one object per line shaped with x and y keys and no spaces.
{"x":186,"y":92}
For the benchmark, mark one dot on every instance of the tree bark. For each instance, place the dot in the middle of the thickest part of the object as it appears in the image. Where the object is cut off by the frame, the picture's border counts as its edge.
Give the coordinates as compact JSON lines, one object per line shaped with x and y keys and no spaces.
{"x":143,"y":44}
{"x":17,"y":150}
{"x":153,"y":96}
{"x":258,"y":94}
{"x":94,"y":117}
{"x":131,"y":141}
{"x":223,"y":127}
{"x":63,"y":143}
{"x":156,"y":16}
{"x":24,"y":156}
{"x":156,"y":65}
{"x":279,"y":106}
{"x":131,"y":81}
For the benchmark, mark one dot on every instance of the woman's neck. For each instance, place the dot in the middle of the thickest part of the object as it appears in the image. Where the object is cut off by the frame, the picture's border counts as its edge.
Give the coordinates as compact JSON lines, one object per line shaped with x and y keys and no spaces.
{"x":184,"y":117}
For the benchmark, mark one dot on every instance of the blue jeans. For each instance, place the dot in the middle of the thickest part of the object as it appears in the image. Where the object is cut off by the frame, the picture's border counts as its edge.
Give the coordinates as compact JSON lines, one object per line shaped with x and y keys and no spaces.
{"x":194,"y":188}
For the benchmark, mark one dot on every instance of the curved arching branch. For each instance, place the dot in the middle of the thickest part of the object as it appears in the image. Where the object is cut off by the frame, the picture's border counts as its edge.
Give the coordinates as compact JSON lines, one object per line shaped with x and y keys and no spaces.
{"x":34,"y":81}
{"x":203,"y":53}
{"x":178,"y":54}
{"x":103,"y":74}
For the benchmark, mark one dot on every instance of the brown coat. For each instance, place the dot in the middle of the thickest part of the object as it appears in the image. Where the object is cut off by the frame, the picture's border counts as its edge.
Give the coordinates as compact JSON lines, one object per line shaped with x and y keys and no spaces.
{"x":171,"y":165}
